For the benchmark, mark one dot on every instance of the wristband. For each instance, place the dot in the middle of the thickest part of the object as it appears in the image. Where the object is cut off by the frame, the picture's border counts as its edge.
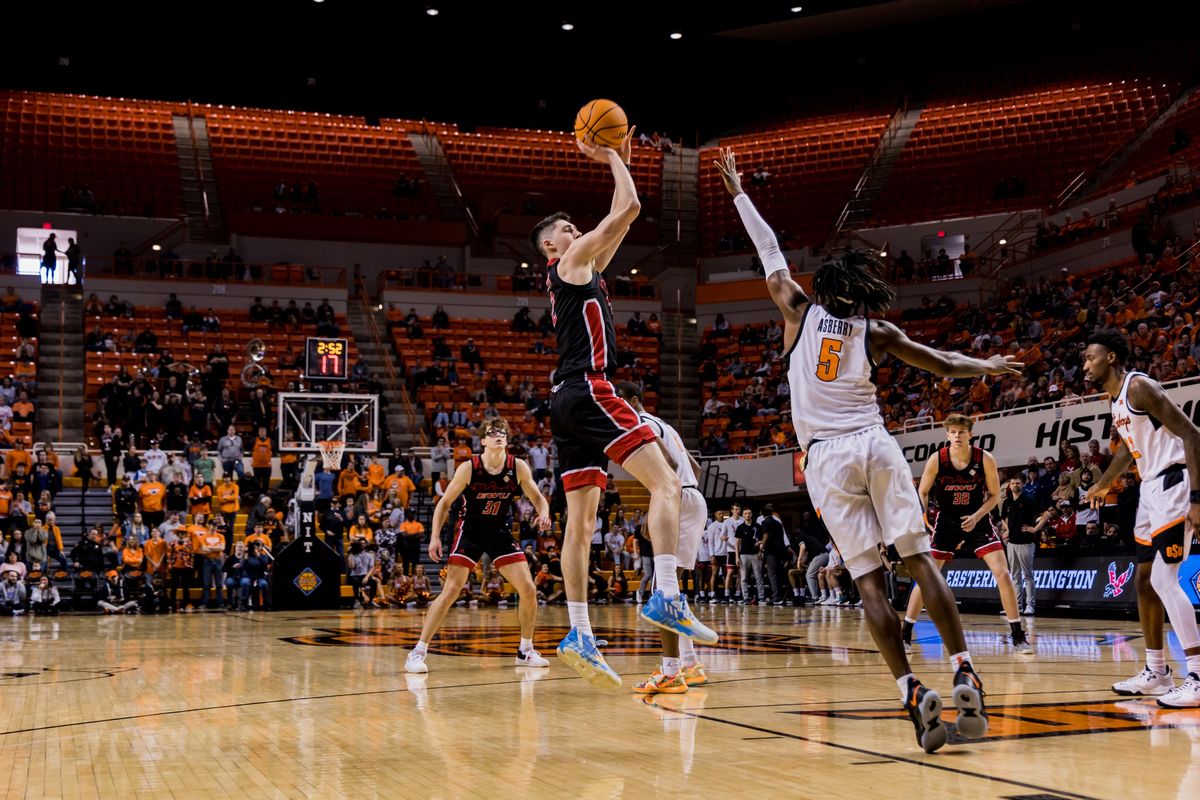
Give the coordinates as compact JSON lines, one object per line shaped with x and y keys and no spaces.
{"x":1195,"y":497}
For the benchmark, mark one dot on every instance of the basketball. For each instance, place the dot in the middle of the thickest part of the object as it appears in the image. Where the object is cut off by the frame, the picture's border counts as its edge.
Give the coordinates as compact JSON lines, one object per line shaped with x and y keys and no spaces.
{"x":602,"y":122}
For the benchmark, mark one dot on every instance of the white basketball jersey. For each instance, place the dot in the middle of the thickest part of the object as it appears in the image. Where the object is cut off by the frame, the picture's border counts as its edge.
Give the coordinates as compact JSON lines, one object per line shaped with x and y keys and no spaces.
{"x":683,"y":467}
{"x":1153,"y":446}
{"x":829,"y":372}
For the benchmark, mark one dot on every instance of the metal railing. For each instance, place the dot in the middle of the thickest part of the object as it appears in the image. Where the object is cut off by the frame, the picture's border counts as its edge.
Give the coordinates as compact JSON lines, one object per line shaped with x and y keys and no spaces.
{"x":396,"y":387}
{"x":163,"y":267}
{"x":523,"y":282}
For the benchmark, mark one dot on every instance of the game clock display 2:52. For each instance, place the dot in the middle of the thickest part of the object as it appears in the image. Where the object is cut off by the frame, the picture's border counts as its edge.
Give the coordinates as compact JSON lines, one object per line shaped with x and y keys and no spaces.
{"x":327,"y":359}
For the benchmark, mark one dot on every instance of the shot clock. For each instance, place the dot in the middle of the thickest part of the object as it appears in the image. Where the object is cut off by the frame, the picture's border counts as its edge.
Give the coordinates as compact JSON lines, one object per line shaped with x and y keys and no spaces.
{"x":326,"y":359}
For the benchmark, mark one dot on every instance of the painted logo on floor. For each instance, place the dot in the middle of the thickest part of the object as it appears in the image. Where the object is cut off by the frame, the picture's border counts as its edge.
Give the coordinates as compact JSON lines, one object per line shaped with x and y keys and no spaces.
{"x":1037,"y":720}
{"x":503,"y":641}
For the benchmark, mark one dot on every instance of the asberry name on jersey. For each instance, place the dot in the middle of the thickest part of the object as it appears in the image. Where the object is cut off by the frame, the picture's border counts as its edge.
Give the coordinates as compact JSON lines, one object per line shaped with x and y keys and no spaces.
{"x":1153,"y":446}
{"x":830,"y":376}
{"x":587,"y":340}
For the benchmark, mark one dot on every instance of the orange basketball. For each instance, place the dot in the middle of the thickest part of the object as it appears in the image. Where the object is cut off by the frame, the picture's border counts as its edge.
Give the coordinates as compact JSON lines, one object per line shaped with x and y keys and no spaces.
{"x":602,"y":122}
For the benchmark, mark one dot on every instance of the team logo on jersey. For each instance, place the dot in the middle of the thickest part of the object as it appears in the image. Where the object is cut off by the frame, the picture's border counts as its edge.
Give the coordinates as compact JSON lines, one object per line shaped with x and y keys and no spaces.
{"x":1036,"y":720}
{"x":1116,"y":583}
{"x":503,"y":641}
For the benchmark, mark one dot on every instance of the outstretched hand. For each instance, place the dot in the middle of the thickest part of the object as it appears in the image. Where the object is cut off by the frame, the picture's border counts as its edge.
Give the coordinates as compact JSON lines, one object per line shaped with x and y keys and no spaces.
{"x":727,"y":165}
{"x":1005,"y":365}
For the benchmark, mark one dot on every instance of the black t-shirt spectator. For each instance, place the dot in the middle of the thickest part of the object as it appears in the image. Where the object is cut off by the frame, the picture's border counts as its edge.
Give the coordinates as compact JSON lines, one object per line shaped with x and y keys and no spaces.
{"x":747,"y":537}
{"x":1019,"y":512}
{"x":812,"y":547}
{"x":772,"y":534}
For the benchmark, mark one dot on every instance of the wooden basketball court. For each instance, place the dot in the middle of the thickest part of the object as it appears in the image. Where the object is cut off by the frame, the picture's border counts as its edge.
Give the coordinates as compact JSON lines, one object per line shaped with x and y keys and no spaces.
{"x":798,"y":705}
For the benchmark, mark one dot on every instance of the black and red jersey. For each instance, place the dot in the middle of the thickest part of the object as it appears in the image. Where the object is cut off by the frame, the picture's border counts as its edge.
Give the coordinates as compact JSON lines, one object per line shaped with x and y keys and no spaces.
{"x":583,"y":323}
{"x":959,"y":492}
{"x":487,"y":500}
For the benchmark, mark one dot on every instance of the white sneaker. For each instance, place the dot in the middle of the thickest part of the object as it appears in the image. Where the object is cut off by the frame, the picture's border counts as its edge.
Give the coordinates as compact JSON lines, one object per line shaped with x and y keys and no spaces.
{"x":1186,"y":695}
{"x":531,"y":658}
{"x":1023,"y":647}
{"x":1146,"y":683}
{"x":415,"y":663}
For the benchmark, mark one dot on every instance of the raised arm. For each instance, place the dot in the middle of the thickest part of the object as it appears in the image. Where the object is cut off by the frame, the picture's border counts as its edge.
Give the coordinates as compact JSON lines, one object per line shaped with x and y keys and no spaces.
{"x":462,"y":477}
{"x":595,"y":249}
{"x":887,"y":338}
{"x":787,"y":294}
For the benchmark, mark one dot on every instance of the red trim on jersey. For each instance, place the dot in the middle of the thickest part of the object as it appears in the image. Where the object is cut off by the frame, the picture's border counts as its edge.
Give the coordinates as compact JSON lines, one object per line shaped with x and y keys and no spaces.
{"x":458,"y":559}
{"x":583,"y":478}
{"x":458,"y":530}
{"x":942,"y":555}
{"x":593,"y":318}
{"x":620,"y":412}
{"x":990,"y":547}
{"x":508,"y":558}
{"x":629,"y":443}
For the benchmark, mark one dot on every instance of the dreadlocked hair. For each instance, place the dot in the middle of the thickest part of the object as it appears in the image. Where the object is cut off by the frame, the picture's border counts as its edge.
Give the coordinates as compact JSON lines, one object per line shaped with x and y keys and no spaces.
{"x":852,"y":281}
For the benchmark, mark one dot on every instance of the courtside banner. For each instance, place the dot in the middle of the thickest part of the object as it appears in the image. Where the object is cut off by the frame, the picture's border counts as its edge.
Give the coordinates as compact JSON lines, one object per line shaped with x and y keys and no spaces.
{"x":1013,"y":439}
{"x":1080,"y":582}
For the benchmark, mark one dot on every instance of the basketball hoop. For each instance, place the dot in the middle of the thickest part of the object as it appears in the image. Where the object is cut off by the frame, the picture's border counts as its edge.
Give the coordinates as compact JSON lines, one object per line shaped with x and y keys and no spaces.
{"x":331,"y":454}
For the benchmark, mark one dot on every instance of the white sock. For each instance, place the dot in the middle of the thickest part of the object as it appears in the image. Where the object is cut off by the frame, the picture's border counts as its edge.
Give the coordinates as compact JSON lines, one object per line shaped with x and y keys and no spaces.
{"x":687,"y":652}
{"x":958,"y":659}
{"x":670,"y":666}
{"x":910,"y":621}
{"x":1193,"y":665}
{"x":421,"y":648}
{"x":525,"y":646}
{"x":1157,"y":661}
{"x":578,"y":613}
{"x":664,"y":576}
{"x":902,"y":682}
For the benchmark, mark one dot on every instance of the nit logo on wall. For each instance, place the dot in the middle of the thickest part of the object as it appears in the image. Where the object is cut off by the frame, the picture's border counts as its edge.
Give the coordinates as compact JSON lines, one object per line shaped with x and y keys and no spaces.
{"x":503,"y":641}
{"x":307,"y":581}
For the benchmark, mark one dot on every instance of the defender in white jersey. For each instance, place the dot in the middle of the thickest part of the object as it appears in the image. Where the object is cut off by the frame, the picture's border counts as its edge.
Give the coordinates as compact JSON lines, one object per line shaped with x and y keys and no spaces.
{"x":856,"y":475}
{"x":1166,"y":446}
{"x":680,"y":668}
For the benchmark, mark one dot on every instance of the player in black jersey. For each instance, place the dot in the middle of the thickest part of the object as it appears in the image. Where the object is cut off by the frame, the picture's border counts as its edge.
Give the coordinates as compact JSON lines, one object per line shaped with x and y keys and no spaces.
{"x":488,"y":483}
{"x":966,"y":488}
{"x":592,"y":425}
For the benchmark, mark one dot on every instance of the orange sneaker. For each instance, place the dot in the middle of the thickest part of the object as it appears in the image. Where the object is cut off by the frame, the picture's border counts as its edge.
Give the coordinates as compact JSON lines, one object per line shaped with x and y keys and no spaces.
{"x":661,"y":684}
{"x":694,"y":675}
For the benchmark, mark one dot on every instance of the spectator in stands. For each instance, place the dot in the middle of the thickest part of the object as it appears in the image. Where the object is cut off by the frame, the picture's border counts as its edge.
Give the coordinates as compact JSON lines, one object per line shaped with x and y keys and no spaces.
{"x":231,"y":451}
{"x":522,"y":322}
{"x":469,"y":354}
{"x":113,"y":597}
{"x":45,"y":599}
{"x":50,"y":253}
{"x":260,"y":459}
{"x":760,"y":177}
{"x":12,"y":593}
{"x":174,"y":308}
{"x":10,"y":303}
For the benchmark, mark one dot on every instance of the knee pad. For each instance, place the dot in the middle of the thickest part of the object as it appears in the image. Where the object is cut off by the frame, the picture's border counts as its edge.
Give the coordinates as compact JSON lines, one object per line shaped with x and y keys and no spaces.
{"x":911,"y":544}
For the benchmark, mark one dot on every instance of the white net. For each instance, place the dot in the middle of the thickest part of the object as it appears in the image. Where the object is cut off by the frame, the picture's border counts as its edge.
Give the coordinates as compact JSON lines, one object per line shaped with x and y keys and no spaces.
{"x":331,"y":454}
